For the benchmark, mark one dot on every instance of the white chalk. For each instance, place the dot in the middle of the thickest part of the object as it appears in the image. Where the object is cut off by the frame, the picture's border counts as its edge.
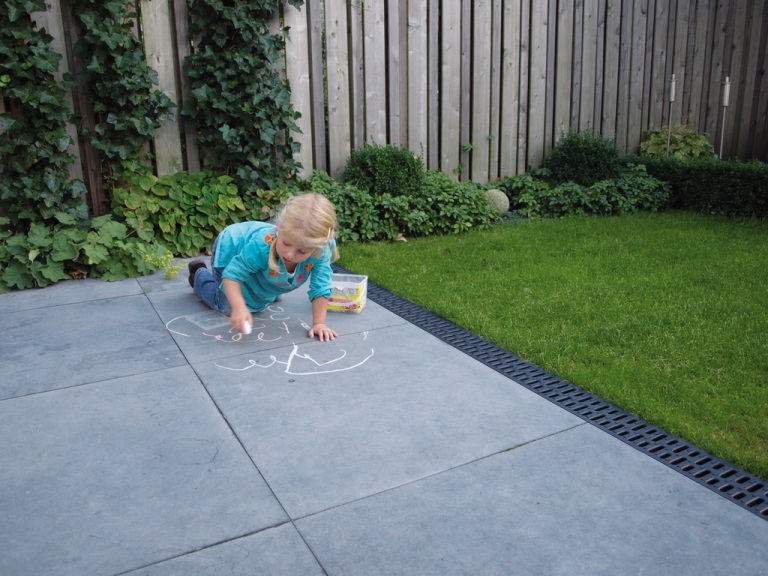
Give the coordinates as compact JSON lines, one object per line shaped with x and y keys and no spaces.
{"x":248,"y":328}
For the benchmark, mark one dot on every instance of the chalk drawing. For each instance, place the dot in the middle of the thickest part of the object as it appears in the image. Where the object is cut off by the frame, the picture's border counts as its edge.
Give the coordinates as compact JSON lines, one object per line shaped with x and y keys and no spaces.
{"x":270,"y":326}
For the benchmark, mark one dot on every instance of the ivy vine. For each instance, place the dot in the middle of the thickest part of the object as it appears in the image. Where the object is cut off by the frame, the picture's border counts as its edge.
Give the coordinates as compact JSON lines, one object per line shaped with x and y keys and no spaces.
{"x":34,"y":162}
{"x":242,"y":109}
{"x":127,"y":109}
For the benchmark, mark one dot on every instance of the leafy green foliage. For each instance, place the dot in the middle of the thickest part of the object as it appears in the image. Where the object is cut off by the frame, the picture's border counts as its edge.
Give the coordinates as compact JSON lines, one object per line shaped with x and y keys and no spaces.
{"x":634,"y":190}
{"x":184,"y":211}
{"x":35,"y":183}
{"x":684,"y":143}
{"x":128,"y":110}
{"x":582,"y":158}
{"x":64,"y":248}
{"x":441,"y":206}
{"x":736,"y":189}
{"x":383,"y":170}
{"x":243,"y":112}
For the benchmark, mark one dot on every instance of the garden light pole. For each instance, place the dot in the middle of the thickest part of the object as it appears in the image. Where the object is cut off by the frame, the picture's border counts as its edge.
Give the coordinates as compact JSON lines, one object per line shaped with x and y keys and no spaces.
{"x":725,"y":102}
{"x":672,"y":85}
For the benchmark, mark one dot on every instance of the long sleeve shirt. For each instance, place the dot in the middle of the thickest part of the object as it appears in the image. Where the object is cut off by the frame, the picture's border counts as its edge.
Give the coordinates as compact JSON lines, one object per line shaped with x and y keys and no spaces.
{"x":242,"y":251}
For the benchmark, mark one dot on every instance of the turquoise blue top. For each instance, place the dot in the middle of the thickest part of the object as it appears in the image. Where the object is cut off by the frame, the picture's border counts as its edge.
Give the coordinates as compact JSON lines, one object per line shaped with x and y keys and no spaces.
{"x":242,"y":251}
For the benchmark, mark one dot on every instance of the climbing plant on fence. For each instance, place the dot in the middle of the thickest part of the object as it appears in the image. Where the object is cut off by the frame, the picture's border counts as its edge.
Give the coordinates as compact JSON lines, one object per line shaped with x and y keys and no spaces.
{"x":242,"y":109}
{"x":34,"y":178}
{"x":127,"y":109}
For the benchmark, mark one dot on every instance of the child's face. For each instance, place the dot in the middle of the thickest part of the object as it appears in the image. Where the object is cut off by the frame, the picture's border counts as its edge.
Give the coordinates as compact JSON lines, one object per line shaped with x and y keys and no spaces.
{"x":290,"y":251}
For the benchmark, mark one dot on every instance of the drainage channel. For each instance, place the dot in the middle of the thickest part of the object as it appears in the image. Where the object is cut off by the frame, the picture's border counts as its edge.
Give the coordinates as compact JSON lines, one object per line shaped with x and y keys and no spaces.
{"x":732,"y":483}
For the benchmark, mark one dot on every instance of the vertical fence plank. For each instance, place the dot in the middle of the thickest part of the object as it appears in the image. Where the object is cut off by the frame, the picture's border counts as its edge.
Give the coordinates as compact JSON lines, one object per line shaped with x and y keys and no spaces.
{"x":679,"y":61}
{"x":317,"y":89}
{"x":510,"y":87}
{"x":657,"y":91}
{"x":563,"y":69}
{"x":496,"y":96}
{"x":577,"y":64}
{"x":524,"y":92}
{"x":637,"y":76}
{"x":718,"y":71}
{"x":589,"y":67}
{"x":739,"y":38}
{"x":451,"y":86}
{"x":481,"y":90}
{"x":83,"y":107}
{"x":597,"y":89}
{"x":611,"y":76}
{"x":433,"y":85}
{"x":375,"y":73}
{"x":394,"y":112}
{"x":297,"y":74}
{"x":466,"y":103}
{"x":52,"y":22}
{"x":183,"y":49}
{"x":418,"y":27}
{"x":761,"y":120}
{"x":537,"y":83}
{"x":357,"y":73}
{"x":746,"y":130}
{"x":339,"y":136}
{"x":156,"y":27}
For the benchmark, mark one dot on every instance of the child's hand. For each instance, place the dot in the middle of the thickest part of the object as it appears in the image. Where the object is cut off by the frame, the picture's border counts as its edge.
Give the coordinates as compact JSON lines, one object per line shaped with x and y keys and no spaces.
{"x":239,"y":319}
{"x":322,"y":332}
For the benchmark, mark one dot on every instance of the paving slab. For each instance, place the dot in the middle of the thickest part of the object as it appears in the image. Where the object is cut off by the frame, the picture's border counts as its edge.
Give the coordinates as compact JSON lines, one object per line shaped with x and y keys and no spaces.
{"x":67,"y":292}
{"x":89,"y":341}
{"x":142,"y":435}
{"x":107,"y":477}
{"x":578,"y":502}
{"x":203,"y":334}
{"x":277,"y":551}
{"x":331,"y":422}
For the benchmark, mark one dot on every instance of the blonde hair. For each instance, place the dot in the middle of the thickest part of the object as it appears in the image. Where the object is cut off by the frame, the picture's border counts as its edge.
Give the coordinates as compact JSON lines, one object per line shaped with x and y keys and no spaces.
{"x":308,"y":220}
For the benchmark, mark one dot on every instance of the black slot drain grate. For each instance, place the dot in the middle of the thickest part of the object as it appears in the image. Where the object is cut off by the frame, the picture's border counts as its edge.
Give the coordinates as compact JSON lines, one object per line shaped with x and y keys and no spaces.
{"x":742,"y":488}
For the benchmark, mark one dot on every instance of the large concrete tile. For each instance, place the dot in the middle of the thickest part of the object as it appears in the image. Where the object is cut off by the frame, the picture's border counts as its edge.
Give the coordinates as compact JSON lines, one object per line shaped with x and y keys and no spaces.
{"x":51,"y":348}
{"x":278,"y":551}
{"x":67,"y":292}
{"x":580,"y":502}
{"x":107,"y":477}
{"x":158,"y":282}
{"x":330,"y":422}
{"x":203,"y":334}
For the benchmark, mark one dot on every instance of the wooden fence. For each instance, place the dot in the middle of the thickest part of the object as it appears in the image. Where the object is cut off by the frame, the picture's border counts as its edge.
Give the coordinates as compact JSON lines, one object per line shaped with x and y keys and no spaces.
{"x":484,"y":88}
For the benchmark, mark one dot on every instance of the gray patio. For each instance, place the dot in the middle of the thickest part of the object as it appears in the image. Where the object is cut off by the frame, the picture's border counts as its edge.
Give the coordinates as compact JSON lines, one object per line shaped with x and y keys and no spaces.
{"x":140,"y":435}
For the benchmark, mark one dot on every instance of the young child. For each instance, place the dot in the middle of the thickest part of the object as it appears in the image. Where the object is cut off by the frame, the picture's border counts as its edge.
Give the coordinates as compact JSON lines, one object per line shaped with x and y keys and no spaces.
{"x":255,"y":262}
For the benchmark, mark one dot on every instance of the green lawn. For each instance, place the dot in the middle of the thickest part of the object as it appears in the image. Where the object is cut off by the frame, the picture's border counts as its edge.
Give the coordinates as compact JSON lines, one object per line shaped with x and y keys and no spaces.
{"x":664,"y":315}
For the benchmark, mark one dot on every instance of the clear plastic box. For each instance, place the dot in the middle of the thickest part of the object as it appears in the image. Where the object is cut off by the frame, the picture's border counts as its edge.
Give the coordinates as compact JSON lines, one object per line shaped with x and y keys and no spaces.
{"x":348,"y":293}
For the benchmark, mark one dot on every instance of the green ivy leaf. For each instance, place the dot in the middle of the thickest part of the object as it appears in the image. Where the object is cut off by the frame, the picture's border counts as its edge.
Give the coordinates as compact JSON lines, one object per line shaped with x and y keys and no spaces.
{"x":17,"y":276}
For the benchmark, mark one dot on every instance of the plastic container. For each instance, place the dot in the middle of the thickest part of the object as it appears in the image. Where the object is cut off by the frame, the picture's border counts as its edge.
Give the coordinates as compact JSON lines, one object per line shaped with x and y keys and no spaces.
{"x":348,"y":293}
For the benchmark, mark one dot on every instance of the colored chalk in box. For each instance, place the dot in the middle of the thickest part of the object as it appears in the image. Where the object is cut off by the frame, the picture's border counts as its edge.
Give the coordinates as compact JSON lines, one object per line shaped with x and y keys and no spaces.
{"x":348,"y":293}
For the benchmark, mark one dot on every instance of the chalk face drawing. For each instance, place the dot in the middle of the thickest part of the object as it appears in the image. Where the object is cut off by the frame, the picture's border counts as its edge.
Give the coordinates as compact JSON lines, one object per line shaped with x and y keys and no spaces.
{"x":274,"y":326}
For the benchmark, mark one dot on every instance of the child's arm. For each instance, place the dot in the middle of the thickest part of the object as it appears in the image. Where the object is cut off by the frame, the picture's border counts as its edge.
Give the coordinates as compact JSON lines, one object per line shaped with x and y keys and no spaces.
{"x":319,"y":329}
{"x":239,"y":313}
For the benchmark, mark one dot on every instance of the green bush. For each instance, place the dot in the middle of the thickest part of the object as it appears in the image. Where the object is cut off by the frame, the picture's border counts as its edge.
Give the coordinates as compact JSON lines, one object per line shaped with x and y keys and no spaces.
{"x":65,"y":248}
{"x":582,"y":158}
{"x":183,"y":211}
{"x":734,"y":188}
{"x":385,"y":170}
{"x":442,"y":206}
{"x":634,"y":190}
{"x":684,"y":143}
